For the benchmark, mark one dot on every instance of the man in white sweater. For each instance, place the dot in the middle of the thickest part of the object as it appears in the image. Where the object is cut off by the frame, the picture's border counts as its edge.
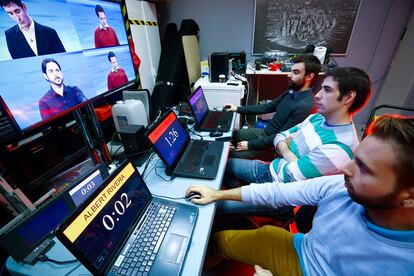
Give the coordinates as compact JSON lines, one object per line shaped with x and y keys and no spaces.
{"x":365,"y":219}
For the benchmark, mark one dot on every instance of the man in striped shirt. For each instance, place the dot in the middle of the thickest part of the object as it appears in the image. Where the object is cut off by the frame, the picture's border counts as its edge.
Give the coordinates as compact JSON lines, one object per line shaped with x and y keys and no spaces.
{"x":321,"y":144}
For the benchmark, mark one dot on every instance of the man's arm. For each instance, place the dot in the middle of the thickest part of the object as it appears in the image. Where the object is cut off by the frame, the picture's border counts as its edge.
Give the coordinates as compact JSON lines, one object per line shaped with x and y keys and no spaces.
{"x":326,"y":159}
{"x":209,"y":195}
{"x":276,"y":195}
{"x":283,"y":150}
{"x":261,"y":108}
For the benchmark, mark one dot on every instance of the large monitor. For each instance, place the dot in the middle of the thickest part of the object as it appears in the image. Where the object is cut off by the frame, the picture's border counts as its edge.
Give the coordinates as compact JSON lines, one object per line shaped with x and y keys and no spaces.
{"x":56,"y":55}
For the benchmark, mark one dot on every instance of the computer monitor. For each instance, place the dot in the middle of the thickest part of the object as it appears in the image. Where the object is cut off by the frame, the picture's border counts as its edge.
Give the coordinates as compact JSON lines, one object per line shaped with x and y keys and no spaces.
{"x":81,"y":44}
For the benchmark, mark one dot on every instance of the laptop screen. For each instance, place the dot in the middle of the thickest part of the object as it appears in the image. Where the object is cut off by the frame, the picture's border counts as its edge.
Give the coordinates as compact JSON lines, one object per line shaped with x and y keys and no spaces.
{"x":97,"y":229}
{"x":198,"y":105}
{"x":169,"y":138}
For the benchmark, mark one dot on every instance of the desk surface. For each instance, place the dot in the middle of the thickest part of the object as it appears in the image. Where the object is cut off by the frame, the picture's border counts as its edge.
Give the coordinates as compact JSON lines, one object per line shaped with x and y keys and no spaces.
{"x":193,"y":263}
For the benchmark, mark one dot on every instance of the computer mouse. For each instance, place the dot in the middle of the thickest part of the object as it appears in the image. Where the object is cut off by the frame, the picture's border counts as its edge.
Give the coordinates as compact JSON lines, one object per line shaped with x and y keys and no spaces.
{"x":192,"y":195}
{"x":216,"y":133}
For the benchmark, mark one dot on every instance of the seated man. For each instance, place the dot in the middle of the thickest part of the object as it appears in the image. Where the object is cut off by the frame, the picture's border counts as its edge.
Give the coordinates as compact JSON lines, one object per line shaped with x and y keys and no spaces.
{"x":291,"y":108}
{"x":365,"y":219}
{"x":321,"y":144}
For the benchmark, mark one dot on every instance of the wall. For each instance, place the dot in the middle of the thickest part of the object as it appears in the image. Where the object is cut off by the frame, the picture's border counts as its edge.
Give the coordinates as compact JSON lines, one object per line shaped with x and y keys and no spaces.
{"x":228,"y":25}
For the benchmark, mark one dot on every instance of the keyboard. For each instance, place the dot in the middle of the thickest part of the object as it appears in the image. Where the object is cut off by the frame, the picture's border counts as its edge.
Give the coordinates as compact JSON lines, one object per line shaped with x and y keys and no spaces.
{"x":142,"y":253}
{"x":215,"y":119}
{"x":193,"y":160}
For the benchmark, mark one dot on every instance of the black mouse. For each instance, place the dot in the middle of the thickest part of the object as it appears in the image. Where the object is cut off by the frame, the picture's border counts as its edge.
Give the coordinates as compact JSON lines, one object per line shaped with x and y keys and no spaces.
{"x":192,"y":195}
{"x":216,"y":133}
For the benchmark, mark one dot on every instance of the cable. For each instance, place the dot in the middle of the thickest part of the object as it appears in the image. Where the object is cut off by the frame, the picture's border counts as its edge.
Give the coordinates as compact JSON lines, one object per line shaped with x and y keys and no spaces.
{"x":44,"y":258}
{"x":169,"y":197}
{"x":193,"y":132}
{"x":112,"y":141}
{"x":73,"y":269}
{"x":166,"y":180}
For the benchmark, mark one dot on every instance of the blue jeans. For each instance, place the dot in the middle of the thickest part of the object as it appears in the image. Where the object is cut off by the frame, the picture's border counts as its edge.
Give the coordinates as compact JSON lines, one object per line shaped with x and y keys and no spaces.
{"x":250,"y":171}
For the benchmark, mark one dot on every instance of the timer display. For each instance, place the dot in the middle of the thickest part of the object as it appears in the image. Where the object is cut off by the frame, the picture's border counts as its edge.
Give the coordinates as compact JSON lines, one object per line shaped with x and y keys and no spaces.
{"x":109,"y":215}
{"x":169,"y":137}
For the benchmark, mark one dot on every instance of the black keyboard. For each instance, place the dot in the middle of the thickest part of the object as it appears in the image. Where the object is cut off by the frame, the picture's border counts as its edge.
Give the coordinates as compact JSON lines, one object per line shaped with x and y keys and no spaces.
{"x":215,"y":119}
{"x":193,"y":159}
{"x":142,"y":253}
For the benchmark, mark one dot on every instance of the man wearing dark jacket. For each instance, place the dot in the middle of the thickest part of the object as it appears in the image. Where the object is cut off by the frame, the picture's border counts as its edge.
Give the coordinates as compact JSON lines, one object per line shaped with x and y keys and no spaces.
{"x":28,"y":38}
{"x":291,"y":108}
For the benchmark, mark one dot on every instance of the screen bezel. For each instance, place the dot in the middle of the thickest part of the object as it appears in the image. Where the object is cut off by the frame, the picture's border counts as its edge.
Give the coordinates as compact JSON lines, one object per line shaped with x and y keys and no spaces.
{"x":180,"y":153}
{"x":44,"y":123}
{"x":69,"y":245}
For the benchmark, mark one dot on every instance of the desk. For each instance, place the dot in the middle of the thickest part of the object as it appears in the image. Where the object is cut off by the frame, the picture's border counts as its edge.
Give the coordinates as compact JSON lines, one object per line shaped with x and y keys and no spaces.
{"x":193,"y":263}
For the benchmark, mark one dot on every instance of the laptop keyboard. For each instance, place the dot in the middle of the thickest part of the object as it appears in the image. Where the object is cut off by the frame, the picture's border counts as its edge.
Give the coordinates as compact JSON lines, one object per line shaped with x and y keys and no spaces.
{"x":192,"y":162}
{"x":215,"y":119}
{"x":142,"y":253}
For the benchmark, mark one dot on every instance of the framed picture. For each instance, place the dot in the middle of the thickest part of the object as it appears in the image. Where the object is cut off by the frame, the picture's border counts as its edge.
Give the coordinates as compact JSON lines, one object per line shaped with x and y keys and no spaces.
{"x":291,"y":25}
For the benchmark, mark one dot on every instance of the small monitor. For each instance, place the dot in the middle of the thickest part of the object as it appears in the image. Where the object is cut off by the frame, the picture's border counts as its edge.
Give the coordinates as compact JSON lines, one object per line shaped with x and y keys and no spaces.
{"x":169,"y":138}
{"x":198,"y":105}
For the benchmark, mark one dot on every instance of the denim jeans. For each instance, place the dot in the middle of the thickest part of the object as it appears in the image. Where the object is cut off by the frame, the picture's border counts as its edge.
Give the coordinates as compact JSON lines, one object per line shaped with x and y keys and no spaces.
{"x":250,"y":171}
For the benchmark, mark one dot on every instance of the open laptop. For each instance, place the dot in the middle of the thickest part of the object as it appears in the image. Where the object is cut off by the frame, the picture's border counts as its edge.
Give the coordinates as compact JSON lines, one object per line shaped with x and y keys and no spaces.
{"x":123,"y":230}
{"x":206,"y":119}
{"x":181,"y":155}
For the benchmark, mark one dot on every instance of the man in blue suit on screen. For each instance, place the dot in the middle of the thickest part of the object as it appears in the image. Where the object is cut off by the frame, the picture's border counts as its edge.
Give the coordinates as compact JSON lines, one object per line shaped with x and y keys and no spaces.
{"x":59,"y":97}
{"x":28,"y":38}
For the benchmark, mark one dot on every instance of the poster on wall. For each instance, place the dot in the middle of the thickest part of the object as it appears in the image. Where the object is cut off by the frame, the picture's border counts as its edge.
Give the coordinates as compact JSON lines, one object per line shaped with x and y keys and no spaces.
{"x":291,"y":25}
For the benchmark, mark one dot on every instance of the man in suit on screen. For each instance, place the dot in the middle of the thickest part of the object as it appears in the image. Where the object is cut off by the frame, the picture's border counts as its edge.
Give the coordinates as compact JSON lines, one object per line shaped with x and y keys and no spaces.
{"x":28,"y":38}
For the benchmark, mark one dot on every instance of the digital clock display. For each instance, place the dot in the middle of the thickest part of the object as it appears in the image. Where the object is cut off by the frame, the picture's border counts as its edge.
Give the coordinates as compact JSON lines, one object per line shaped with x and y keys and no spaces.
{"x":169,"y":138}
{"x":108,"y":216}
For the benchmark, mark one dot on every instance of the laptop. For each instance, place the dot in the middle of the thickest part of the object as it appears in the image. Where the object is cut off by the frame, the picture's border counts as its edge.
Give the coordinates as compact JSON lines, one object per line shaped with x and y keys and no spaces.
{"x":206,"y":119}
{"x":122,"y":230}
{"x":181,"y":155}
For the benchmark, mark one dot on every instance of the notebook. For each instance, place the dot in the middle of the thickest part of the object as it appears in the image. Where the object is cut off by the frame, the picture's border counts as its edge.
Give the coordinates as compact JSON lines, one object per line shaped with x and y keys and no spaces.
{"x":206,"y":119}
{"x":122,"y":230}
{"x":181,"y":155}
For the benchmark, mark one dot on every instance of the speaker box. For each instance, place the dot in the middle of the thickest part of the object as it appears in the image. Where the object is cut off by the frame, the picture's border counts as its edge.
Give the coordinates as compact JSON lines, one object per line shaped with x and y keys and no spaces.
{"x":133,"y":139}
{"x":219,"y":65}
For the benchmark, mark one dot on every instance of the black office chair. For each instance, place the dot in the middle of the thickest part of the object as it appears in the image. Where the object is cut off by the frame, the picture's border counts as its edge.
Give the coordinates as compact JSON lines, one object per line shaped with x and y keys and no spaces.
{"x":383,"y":106}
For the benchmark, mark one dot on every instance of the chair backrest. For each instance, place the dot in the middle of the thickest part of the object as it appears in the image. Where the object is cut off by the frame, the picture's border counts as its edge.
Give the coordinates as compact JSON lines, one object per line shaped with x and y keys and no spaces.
{"x":192,"y":57}
{"x":141,"y":95}
{"x":400,"y":109}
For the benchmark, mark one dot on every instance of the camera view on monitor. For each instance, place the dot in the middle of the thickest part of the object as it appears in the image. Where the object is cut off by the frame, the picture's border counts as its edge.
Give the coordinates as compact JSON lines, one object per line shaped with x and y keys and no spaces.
{"x":57,"y":54}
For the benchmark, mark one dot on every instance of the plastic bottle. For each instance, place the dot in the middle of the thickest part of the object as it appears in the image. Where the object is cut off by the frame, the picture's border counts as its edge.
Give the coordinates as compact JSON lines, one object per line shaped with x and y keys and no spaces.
{"x":129,"y":112}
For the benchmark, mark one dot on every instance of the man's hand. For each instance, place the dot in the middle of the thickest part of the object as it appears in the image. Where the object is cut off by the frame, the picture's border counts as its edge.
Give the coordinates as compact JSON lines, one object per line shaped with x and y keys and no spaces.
{"x":241,"y":146}
{"x":259,"y":271}
{"x":230,"y":107}
{"x":208,"y":194}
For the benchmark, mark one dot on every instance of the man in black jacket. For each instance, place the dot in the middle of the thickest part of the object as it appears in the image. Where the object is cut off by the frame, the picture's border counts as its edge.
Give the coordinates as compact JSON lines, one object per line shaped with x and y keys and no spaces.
{"x":291,"y":108}
{"x":28,"y":38}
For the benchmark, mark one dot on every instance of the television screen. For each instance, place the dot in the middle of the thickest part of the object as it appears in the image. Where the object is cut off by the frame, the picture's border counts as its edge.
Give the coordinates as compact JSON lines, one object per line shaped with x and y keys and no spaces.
{"x":58,"y":54}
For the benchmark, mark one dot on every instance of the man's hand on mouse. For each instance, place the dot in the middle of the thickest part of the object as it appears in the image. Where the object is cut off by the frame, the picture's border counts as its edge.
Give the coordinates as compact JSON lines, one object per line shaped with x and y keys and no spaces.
{"x":230,"y":107}
{"x":243,"y":145}
{"x":208,"y":194}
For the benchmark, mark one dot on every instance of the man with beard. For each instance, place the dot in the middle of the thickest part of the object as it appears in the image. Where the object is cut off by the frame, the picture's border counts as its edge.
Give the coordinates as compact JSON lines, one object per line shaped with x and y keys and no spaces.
{"x":323,"y":143}
{"x":364,"y":224}
{"x":291,"y":108}
{"x":59,"y":97}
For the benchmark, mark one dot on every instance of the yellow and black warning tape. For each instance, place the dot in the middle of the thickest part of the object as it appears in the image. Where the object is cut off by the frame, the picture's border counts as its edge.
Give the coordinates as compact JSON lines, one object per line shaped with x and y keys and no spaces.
{"x":143,"y":22}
